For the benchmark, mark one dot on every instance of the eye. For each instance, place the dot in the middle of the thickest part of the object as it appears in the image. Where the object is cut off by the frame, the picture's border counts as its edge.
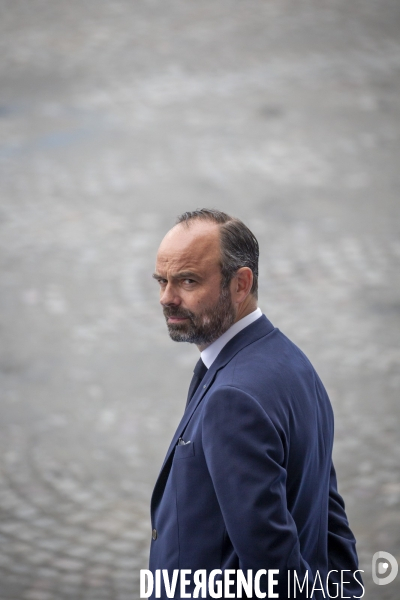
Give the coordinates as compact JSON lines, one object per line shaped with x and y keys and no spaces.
{"x":188,"y":281}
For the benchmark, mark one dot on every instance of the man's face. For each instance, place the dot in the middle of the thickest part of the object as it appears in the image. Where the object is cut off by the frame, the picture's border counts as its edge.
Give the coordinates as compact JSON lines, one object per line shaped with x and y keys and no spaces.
{"x":188,"y":269}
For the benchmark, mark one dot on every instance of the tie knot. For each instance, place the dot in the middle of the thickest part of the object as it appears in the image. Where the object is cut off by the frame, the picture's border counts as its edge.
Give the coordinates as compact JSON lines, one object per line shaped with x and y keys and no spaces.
{"x":198,"y":373}
{"x":200,"y":369}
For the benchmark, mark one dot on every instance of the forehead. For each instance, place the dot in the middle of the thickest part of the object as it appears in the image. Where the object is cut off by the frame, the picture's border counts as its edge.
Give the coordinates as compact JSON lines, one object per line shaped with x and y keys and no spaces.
{"x":190,"y":247}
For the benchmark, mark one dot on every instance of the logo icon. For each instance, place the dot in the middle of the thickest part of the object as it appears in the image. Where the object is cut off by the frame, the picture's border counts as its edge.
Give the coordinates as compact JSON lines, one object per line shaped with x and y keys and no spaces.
{"x":384,"y":568}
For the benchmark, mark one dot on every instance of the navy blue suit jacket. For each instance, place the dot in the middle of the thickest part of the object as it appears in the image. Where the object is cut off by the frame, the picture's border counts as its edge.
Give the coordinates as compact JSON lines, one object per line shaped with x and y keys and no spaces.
{"x":255,"y":488}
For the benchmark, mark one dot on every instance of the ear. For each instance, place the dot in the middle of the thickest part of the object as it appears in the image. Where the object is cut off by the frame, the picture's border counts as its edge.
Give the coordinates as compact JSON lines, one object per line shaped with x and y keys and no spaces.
{"x":241,"y":283}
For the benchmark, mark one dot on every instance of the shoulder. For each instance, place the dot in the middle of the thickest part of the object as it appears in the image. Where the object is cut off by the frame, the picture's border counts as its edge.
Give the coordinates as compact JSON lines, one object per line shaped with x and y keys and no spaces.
{"x":272,"y":360}
{"x":277,"y":375}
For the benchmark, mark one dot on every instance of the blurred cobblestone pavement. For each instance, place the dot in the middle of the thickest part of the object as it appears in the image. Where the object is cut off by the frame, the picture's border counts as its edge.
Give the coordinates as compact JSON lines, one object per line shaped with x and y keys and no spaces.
{"x":115,"y":117}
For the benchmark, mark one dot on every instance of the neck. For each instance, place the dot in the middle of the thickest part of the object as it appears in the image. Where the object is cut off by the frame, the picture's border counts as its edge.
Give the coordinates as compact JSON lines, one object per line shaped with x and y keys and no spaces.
{"x":247,"y":307}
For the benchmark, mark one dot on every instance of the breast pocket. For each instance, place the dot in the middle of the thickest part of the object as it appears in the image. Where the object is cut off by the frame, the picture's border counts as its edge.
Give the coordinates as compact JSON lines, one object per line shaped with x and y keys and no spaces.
{"x":184,"y":450}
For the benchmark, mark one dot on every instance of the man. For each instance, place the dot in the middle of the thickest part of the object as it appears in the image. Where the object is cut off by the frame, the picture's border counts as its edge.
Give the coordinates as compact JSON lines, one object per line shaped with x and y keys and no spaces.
{"x":248,"y":481}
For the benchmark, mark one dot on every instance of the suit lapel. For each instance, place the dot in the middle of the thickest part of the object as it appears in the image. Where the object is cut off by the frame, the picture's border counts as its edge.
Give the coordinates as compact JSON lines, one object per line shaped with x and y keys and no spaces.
{"x":248,"y":335}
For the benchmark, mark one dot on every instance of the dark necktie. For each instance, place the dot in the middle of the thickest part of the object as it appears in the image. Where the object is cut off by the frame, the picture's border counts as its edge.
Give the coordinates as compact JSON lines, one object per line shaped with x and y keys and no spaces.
{"x":198,"y":373}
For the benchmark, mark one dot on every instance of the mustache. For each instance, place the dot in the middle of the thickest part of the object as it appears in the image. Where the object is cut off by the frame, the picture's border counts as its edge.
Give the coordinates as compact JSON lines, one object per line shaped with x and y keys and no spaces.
{"x":177,"y":312}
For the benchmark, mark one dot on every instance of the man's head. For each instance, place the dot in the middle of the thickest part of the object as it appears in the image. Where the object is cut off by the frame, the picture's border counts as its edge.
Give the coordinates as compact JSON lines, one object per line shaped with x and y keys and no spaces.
{"x":207,"y":268}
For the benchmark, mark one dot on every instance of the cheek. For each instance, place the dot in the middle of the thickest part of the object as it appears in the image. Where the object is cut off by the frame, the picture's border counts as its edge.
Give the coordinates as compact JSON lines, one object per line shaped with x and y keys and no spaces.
{"x":201,"y":302}
{"x":206,"y":320}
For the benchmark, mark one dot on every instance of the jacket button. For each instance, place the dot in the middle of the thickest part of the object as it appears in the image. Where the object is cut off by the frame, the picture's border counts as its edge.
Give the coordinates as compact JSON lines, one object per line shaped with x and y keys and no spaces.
{"x":154,"y":534}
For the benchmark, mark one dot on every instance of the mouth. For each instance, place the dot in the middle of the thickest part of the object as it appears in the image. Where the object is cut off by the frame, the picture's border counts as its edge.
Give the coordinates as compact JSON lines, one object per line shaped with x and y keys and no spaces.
{"x":176,"y":319}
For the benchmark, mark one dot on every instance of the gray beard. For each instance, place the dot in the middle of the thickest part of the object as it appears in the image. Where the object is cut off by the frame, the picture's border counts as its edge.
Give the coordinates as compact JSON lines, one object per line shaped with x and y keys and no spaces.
{"x":206,"y":326}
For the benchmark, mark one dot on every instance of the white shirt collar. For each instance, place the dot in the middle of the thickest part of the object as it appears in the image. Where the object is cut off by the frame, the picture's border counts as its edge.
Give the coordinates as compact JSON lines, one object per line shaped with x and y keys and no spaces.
{"x":211,"y":352}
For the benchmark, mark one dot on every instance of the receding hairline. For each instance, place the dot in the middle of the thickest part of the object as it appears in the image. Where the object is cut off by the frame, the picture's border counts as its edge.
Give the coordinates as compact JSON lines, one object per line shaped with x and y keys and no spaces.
{"x":196,"y":222}
{"x":176,"y":235}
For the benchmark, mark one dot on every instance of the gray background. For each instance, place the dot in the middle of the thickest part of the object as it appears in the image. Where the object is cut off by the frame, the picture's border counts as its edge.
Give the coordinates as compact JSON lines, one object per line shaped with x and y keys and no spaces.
{"x":115,"y":116}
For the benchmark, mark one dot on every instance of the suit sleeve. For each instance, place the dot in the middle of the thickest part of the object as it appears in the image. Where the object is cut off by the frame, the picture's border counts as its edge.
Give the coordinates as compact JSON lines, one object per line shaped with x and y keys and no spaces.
{"x":341,"y":542}
{"x":244,"y":455}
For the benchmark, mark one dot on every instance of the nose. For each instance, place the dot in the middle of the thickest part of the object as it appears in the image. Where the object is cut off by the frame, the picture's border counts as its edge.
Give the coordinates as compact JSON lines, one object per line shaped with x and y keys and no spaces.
{"x":169,"y":297}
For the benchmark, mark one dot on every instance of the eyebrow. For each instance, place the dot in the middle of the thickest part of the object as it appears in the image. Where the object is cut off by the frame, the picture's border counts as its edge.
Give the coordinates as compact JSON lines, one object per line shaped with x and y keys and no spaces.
{"x":180,"y":275}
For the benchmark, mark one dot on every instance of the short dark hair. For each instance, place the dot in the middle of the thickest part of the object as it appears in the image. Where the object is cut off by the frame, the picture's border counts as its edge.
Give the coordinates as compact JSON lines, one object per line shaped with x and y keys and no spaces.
{"x":239,"y":246}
